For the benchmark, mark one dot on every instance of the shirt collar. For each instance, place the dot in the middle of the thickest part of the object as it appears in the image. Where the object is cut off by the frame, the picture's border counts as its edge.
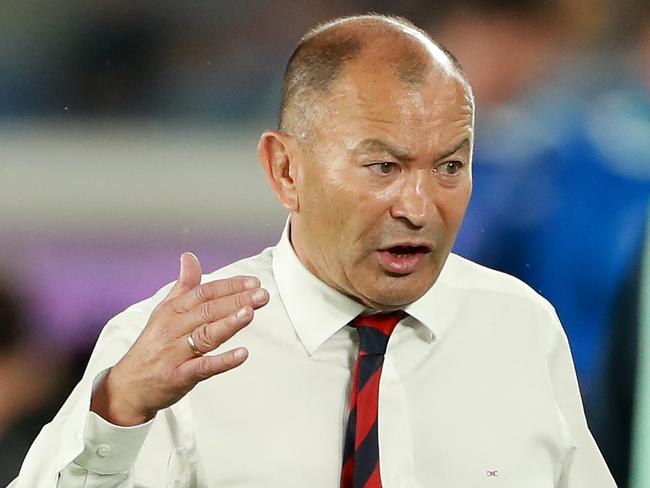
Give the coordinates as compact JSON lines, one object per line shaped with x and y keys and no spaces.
{"x":315,"y":310}
{"x":440,"y":306}
{"x":318,"y":311}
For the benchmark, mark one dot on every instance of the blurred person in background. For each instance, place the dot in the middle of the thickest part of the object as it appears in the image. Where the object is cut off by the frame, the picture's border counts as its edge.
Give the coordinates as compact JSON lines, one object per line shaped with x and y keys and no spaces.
{"x":28,"y":386}
{"x":625,"y":388}
{"x":506,"y":410}
{"x":562,"y":163}
{"x":621,"y":406}
{"x":639,"y":468}
{"x":538,"y":68}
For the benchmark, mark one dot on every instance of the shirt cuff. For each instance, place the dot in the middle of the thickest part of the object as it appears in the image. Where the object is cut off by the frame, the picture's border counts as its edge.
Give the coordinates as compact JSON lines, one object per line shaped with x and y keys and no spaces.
{"x":109,"y":448}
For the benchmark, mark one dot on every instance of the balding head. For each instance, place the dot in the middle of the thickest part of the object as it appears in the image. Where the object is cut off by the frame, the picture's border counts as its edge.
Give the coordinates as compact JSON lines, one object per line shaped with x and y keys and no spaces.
{"x":391,"y":44}
{"x":373,"y":159}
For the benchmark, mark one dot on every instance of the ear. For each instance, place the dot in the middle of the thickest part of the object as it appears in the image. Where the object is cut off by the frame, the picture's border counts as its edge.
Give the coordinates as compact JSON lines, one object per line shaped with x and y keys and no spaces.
{"x":276,"y":156}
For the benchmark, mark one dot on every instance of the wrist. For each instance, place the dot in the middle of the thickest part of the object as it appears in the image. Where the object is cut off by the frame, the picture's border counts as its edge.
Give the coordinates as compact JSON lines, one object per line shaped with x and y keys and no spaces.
{"x":111,"y":402}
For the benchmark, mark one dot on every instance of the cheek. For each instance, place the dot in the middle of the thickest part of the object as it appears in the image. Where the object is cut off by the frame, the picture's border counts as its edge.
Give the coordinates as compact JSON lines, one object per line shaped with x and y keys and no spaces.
{"x":327,"y":205}
{"x":333,"y":198}
{"x":345,"y":195}
{"x":453,"y":204}
{"x":317,"y":193}
{"x":345,"y":208}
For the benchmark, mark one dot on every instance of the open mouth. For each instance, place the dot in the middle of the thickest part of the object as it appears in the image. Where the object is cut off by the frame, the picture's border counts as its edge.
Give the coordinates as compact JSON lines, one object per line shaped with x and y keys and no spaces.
{"x":408,"y":250}
{"x":403,"y":259}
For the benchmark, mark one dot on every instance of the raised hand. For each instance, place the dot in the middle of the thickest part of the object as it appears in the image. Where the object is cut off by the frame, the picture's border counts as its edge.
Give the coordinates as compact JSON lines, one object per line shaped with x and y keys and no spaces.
{"x":161,"y":366}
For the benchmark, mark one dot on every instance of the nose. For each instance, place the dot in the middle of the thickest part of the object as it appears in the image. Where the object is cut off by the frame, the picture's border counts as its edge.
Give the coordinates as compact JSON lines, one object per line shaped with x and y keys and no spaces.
{"x":415,"y":202}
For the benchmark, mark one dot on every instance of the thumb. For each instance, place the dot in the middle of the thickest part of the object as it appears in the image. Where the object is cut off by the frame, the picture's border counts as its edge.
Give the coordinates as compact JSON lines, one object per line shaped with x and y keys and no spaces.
{"x":189,"y":275}
{"x":190,"y":272}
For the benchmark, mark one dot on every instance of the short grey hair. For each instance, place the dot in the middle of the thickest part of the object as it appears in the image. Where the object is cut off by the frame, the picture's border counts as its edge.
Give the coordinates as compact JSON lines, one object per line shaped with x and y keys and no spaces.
{"x":321,"y":54}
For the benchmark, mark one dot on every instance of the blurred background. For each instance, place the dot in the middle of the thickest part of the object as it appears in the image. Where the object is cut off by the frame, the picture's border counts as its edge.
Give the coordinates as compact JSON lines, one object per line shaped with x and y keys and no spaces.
{"x":128,"y":132}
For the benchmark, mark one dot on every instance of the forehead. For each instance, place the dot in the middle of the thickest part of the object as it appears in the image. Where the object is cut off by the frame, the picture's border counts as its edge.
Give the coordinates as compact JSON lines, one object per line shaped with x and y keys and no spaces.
{"x":372,"y":98}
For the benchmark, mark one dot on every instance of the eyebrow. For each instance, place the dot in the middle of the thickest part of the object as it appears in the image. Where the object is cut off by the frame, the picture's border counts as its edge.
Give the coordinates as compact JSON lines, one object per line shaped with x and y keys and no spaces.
{"x":464,"y":144}
{"x":374,"y":145}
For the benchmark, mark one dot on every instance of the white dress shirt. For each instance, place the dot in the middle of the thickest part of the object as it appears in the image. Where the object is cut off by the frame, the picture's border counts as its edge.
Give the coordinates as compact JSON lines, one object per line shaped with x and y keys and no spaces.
{"x":478,"y":390}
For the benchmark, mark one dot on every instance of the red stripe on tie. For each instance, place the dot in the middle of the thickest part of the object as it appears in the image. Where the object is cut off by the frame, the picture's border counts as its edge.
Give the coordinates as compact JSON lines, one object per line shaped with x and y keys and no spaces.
{"x":364,"y":403}
{"x":375,"y":479}
{"x":347,"y":475}
{"x":383,"y":322}
{"x":367,"y":403}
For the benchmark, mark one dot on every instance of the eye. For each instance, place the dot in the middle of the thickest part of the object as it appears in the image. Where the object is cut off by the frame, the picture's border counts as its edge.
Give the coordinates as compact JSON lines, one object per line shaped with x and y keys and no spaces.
{"x":449,"y":168}
{"x":384,"y":168}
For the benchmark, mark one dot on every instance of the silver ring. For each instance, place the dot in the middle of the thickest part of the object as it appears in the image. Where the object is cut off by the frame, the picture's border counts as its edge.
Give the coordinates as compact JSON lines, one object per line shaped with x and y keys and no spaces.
{"x":195,"y":350}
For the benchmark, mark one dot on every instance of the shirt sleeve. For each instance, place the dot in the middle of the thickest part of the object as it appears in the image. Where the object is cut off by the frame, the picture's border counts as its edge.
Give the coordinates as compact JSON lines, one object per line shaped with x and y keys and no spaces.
{"x":108,"y":457}
{"x":584,"y":464}
{"x":68,"y":451}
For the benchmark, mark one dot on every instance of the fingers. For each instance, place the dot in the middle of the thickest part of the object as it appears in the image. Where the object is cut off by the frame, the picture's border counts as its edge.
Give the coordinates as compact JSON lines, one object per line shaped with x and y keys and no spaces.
{"x":213,"y":290}
{"x":190,"y":273}
{"x":209,"y":336}
{"x":189,"y":276}
{"x":204,"y":367}
{"x":220,"y":308}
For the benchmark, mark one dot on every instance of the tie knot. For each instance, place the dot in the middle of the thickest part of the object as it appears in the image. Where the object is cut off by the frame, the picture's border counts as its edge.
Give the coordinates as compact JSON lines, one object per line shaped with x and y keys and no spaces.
{"x":375,"y":330}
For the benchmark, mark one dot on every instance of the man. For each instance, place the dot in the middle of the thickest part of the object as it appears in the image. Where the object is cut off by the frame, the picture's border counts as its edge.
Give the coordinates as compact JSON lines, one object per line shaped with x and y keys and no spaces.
{"x":372,"y":160}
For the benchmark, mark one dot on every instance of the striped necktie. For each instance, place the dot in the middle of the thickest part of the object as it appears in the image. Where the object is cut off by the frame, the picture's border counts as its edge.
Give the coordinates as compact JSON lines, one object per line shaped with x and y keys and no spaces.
{"x":361,"y":450}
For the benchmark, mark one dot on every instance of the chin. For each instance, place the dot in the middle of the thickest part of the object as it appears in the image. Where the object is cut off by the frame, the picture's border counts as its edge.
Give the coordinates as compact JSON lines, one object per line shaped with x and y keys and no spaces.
{"x":397,"y":292}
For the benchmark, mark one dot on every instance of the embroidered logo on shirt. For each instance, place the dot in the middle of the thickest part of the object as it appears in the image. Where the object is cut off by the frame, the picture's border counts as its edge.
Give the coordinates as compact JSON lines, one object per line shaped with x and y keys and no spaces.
{"x":492,"y":473}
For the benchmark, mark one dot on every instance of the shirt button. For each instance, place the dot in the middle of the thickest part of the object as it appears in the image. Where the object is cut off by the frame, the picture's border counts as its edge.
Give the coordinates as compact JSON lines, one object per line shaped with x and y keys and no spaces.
{"x":103,"y":450}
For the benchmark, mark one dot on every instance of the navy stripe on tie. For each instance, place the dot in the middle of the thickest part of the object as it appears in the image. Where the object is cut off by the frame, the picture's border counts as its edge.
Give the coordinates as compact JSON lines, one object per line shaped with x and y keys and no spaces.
{"x":367,"y":367}
{"x":366,"y":457}
{"x":361,"y":465}
{"x":348,"y":448}
{"x":372,"y":341}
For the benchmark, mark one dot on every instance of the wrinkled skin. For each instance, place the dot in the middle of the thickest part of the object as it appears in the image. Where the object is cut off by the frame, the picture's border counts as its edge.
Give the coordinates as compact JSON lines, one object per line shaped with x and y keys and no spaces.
{"x":352,"y":199}
{"x":348,"y":199}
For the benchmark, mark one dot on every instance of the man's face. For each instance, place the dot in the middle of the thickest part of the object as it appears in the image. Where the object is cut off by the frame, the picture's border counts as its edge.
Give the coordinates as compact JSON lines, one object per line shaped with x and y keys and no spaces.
{"x":383,"y":184}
